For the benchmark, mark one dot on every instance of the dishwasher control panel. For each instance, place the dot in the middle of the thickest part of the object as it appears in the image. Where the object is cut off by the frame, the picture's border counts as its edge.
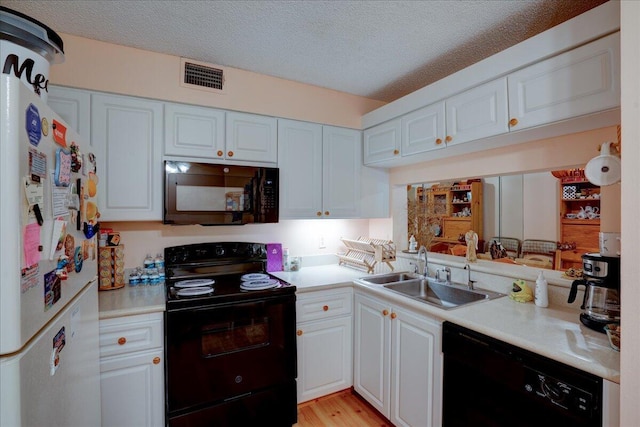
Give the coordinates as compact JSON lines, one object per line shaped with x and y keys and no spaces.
{"x":564,"y":395}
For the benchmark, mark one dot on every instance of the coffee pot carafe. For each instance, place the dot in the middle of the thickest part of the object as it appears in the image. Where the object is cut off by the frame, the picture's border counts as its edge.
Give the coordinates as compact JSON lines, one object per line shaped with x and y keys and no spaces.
{"x":601,"y":281}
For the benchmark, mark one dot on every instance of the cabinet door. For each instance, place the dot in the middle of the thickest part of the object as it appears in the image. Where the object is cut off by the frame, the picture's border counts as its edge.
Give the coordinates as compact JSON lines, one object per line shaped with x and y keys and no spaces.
{"x":372,"y":352}
{"x":73,"y":106}
{"x":132,"y":390}
{"x":582,"y":81}
{"x":416,"y":384}
{"x":193,"y":131}
{"x":300,"y":164}
{"x":477,"y":113}
{"x":324,"y":357}
{"x":382,"y":142}
{"x":423,"y":130}
{"x":127,"y":135}
{"x":251,"y":137}
{"x":341,"y":177}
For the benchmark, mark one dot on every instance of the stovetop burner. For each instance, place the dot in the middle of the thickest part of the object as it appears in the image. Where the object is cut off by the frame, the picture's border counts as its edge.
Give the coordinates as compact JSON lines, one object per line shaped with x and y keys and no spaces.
{"x":205,"y":274}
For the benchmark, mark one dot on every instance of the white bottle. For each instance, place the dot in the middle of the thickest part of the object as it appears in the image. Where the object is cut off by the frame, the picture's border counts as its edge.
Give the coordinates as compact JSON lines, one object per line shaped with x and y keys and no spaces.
{"x":541,"y":293}
{"x":285,"y":259}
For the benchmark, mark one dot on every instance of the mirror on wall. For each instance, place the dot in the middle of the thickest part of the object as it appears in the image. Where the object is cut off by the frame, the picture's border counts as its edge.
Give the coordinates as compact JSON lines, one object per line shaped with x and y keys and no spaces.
{"x":513,"y":208}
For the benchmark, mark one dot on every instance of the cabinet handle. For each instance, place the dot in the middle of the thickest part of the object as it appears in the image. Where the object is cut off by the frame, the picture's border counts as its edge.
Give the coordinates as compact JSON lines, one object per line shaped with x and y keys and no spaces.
{"x":319,"y":213}
{"x":438,"y":141}
{"x":299,"y":332}
{"x":393,"y":315}
{"x":385,"y":312}
{"x":219,"y":153}
{"x":230,"y":154}
{"x":122,"y":341}
{"x":325,"y":308}
{"x":156,"y":360}
{"x":396,"y":152}
{"x":513,"y":122}
{"x":326,"y":213}
{"x":448,"y":138}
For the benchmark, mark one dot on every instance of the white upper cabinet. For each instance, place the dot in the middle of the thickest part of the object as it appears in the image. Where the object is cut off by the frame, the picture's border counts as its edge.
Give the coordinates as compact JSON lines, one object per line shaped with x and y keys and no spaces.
{"x":341,"y":178}
{"x":127,"y":137}
{"x":582,"y":81}
{"x":73,"y":105}
{"x":194,"y":131}
{"x":477,"y":113}
{"x":300,"y":164}
{"x":382,"y":142}
{"x":251,"y":137}
{"x":424,"y":129}
{"x":321,"y":174}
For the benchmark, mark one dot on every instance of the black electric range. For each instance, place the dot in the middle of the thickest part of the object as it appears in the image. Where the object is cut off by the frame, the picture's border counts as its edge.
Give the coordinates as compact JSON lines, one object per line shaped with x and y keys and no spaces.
{"x":230,"y":338}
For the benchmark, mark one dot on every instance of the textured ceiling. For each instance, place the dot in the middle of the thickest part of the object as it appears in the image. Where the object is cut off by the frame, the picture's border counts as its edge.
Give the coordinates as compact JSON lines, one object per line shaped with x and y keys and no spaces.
{"x":378,"y":49}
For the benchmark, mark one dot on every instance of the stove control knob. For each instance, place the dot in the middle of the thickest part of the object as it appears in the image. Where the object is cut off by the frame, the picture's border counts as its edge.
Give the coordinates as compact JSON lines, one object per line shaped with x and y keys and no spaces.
{"x":238,"y":379}
{"x":219,"y":251}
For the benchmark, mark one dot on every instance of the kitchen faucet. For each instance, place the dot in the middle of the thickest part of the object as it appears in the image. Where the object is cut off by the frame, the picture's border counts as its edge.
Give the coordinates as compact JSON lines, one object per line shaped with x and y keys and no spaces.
{"x":421,"y":264}
{"x":469,"y":281}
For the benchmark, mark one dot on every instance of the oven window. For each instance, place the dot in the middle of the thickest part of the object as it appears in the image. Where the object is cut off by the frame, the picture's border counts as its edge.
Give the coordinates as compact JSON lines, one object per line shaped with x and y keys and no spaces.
{"x":232,"y":336}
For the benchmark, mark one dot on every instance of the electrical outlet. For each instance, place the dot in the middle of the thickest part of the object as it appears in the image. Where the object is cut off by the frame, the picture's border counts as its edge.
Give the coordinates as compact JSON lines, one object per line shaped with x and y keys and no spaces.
{"x":321,"y":244}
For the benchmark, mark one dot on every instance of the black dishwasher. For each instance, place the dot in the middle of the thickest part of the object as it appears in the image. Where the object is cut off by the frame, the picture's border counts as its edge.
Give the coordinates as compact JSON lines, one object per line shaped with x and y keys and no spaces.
{"x":488,"y":382}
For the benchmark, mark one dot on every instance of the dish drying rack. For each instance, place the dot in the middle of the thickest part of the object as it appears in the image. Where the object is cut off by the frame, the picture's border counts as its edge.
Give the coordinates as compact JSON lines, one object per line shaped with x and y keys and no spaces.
{"x":364,"y":253}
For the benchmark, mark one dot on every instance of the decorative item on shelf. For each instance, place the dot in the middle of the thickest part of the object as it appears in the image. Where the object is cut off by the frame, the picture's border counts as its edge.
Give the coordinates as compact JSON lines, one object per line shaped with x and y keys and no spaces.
{"x":364,"y":253}
{"x":566,"y":246}
{"x":569,"y":191}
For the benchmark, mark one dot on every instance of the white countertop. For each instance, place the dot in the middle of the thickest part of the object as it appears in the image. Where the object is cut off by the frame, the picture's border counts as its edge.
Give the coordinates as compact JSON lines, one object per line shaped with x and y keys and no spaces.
{"x":131,"y":300}
{"x":554,"y":332}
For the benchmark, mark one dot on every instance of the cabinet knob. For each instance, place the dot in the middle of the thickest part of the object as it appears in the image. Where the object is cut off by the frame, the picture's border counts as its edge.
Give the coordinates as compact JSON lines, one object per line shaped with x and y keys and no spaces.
{"x":393,"y":315}
{"x":396,"y":152}
{"x":326,"y":213}
{"x":325,"y":308}
{"x":230,"y":154}
{"x":438,"y":141}
{"x":220,"y":153}
{"x":299,"y":332}
{"x":319,"y":213}
{"x":385,"y":312}
{"x":448,"y":138}
{"x":122,"y":341}
{"x":156,"y":360}
{"x":513,"y":122}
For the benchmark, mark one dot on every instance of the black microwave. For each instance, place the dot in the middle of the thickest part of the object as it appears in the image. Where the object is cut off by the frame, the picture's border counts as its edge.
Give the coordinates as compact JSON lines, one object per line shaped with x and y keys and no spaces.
{"x":215,"y":194}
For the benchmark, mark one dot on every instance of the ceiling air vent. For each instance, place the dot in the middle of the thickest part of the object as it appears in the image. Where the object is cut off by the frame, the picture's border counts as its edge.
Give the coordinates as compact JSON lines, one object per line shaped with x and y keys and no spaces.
{"x":201,"y":76}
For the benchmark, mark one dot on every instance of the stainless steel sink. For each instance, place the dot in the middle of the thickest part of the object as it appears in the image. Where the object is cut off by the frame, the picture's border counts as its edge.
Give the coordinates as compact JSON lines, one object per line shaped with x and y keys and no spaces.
{"x":389,"y":278}
{"x":441,"y":294}
{"x":430,"y":291}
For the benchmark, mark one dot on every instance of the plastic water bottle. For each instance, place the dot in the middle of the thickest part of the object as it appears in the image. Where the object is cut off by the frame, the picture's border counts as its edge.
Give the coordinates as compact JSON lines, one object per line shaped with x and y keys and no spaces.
{"x":159,"y":264}
{"x":148,"y":261}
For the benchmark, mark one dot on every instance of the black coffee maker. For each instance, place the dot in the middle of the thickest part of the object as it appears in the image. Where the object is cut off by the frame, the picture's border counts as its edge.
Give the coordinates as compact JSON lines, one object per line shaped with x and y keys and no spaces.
{"x":601,"y":281}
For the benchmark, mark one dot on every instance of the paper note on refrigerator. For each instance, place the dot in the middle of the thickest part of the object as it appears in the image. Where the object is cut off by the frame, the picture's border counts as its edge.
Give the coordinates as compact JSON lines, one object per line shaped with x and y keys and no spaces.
{"x":31,"y":244}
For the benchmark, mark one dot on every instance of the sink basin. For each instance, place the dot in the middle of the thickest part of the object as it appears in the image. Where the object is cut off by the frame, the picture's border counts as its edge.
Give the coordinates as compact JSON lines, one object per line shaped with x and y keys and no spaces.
{"x":389,"y":278}
{"x":440,"y":294}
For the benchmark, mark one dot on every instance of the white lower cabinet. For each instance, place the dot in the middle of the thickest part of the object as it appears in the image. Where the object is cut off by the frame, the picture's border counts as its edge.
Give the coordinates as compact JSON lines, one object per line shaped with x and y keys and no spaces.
{"x":324,"y":329}
{"x":132,"y":371}
{"x":398,"y":362}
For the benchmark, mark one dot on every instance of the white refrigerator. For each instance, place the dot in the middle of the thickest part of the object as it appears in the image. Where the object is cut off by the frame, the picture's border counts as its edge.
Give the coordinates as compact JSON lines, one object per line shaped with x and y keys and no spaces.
{"x":49,"y":355}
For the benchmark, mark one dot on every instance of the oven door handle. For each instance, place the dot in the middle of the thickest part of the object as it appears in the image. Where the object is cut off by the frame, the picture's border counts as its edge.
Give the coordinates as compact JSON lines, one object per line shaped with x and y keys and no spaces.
{"x":240,"y":396}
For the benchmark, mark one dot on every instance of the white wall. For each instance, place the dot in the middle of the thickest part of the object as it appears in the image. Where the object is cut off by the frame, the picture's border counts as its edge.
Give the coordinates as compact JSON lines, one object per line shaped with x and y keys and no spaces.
{"x":630,"y":206}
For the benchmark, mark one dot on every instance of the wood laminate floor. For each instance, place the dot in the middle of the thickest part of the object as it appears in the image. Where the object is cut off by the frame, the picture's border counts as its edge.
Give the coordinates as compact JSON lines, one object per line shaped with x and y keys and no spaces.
{"x":342,"y":409}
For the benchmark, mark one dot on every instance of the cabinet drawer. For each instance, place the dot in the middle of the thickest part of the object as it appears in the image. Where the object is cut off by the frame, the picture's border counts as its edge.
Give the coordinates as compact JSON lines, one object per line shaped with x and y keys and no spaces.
{"x":130,"y":333}
{"x":323,"y":304}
